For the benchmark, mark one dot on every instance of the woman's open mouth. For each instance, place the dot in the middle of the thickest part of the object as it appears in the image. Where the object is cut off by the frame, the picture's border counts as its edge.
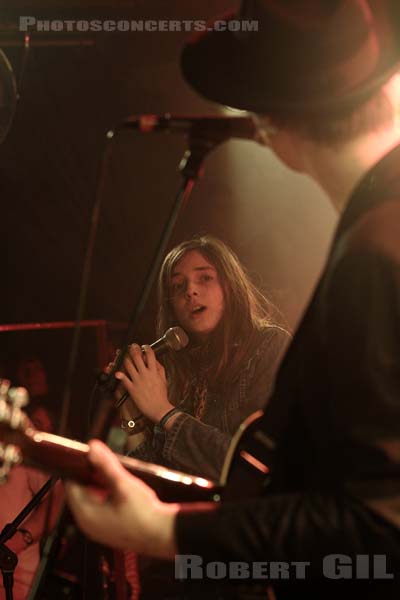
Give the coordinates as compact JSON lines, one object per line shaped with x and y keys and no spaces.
{"x":197,"y":310}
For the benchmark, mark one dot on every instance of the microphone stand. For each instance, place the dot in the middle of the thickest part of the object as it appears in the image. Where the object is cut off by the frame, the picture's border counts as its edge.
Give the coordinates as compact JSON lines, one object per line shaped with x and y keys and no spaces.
{"x":8,"y":559}
{"x":8,"y":562}
{"x":190,"y":167}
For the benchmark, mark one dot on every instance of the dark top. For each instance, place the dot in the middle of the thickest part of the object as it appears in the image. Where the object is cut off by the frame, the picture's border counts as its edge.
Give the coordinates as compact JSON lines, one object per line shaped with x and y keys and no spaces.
{"x":335,"y":411}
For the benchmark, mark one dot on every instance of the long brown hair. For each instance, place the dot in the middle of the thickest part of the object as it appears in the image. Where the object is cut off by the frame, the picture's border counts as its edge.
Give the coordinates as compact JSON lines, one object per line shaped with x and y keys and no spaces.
{"x":247,"y":313}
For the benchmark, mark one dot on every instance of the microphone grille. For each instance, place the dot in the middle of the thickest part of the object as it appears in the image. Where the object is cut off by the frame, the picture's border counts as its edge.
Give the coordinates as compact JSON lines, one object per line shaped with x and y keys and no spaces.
{"x":176,"y":338}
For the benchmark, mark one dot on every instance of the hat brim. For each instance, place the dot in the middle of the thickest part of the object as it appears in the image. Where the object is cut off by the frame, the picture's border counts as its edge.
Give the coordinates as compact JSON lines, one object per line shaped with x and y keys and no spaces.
{"x":224,"y":67}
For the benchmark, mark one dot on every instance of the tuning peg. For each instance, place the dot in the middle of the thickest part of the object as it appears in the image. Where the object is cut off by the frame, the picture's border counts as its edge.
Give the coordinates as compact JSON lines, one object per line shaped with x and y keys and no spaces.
{"x":18,"y":397}
{"x":10,"y":455}
{"x":4,"y":387}
{"x":10,"y":407}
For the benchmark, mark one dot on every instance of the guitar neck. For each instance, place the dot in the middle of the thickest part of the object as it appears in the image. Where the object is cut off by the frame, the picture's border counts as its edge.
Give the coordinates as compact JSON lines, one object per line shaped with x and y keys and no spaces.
{"x":69,"y":459}
{"x":245,"y":474}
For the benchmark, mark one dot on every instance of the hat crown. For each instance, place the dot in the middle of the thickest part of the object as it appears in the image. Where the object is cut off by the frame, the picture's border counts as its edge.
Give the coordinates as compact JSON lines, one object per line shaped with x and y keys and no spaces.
{"x":306,"y":55}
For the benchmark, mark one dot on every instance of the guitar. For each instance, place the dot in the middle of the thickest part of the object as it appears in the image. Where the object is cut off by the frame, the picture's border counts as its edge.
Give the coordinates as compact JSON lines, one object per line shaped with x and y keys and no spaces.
{"x":245,"y":473}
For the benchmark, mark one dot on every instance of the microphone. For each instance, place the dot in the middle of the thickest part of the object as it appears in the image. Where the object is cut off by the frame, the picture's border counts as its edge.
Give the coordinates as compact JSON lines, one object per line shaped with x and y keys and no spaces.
{"x":216,"y":129}
{"x":175,"y":338}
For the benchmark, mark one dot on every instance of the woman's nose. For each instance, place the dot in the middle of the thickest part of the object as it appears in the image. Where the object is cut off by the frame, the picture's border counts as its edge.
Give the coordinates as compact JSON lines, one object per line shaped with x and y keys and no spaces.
{"x":191,"y":289}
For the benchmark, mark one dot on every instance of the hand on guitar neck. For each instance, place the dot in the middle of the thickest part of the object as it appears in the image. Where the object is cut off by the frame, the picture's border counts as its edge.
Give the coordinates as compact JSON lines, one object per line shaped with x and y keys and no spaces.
{"x":128,"y":515}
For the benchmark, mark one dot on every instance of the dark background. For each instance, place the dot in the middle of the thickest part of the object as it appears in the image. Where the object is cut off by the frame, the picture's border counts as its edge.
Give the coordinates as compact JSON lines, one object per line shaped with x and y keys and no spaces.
{"x":73,"y":89}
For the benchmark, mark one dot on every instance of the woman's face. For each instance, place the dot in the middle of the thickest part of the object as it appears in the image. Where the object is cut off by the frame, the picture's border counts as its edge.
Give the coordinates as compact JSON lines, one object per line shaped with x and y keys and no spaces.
{"x":196,"y":295}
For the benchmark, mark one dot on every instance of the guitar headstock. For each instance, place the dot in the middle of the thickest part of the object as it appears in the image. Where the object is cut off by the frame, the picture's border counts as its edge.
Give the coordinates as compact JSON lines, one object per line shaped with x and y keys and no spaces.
{"x":13,"y":421}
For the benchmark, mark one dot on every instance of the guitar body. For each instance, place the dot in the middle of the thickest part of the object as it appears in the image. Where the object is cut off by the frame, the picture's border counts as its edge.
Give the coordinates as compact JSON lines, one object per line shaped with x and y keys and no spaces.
{"x":246,"y":471}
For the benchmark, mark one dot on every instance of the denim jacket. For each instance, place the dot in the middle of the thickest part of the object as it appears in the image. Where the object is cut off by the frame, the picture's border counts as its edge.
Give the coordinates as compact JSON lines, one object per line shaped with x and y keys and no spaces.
{"x":199,"y":447}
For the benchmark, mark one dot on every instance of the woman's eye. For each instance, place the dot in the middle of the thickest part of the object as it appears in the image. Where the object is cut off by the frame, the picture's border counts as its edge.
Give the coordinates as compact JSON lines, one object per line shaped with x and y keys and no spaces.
{"x":206,"y":277}
{"x":177,"y":287}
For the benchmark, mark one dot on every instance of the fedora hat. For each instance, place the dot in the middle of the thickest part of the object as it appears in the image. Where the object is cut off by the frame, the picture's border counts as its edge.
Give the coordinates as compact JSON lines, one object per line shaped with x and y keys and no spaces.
{"x":8,"y":96}
{"x":306,"y":56}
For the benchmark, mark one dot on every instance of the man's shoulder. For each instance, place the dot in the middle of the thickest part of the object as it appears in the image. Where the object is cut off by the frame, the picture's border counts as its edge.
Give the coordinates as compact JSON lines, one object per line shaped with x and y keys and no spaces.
{"x":378,"y":229}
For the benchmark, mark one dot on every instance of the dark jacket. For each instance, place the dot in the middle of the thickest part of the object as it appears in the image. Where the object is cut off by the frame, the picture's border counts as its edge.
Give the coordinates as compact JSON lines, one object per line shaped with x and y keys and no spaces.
{"x":334,"y":414}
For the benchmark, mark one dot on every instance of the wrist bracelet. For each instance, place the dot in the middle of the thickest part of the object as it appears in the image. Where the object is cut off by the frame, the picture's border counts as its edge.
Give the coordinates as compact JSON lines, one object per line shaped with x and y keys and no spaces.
{"x":167,"y":416}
